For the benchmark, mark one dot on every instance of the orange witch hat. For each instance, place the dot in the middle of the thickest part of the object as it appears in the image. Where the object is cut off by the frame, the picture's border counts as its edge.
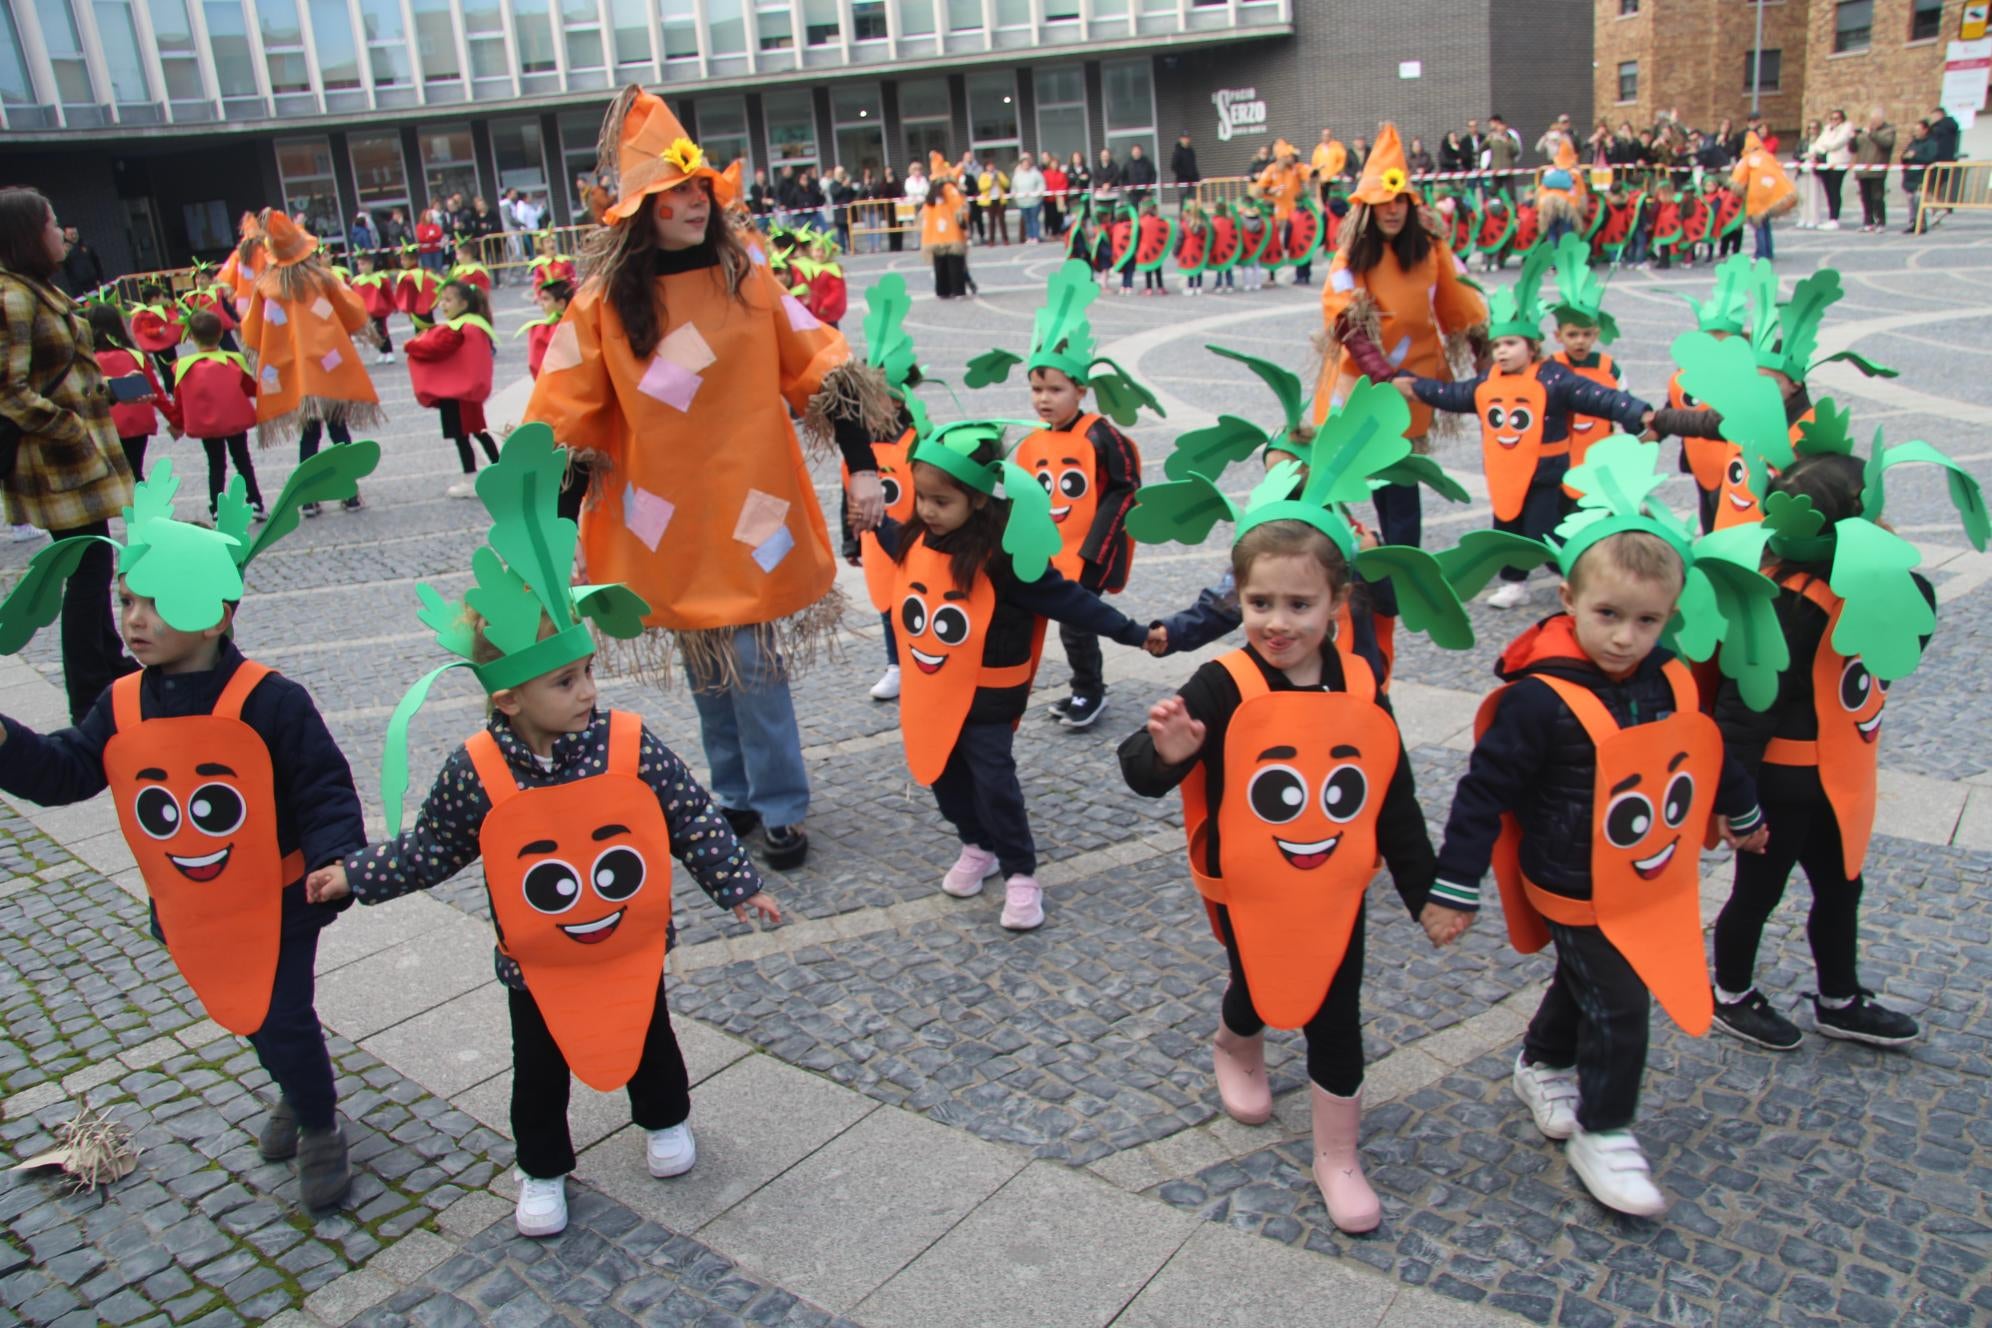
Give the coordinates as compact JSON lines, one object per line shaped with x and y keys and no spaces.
{"x":1566,"y":154}
{"x":289,"y":243}
{"x":654,"y":154}
{"x":1386,"y":174}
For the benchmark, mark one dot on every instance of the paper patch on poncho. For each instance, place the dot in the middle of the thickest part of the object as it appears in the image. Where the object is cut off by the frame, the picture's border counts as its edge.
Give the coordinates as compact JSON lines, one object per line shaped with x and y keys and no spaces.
{"x":563,"y":350}
{"x":273,"y":313}
{"x":322,"y":307}
{"x":770,"y":552}
{"x":800,"y":319}
{"x":270,"y":379}
{"x":669,"y":382}
{"x":646,"y":515}
{"x":760,"y":517}
{"x":331,"y":360}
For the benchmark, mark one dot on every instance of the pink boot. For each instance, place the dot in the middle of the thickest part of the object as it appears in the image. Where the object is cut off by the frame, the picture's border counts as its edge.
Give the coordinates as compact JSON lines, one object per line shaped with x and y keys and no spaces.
{"x":1242,"y":1085}
{"x":1338,"y":1122}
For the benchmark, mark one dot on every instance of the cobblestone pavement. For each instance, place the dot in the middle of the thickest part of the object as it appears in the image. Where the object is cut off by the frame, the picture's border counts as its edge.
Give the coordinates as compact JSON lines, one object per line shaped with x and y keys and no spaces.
{"x":1051,"y":1086}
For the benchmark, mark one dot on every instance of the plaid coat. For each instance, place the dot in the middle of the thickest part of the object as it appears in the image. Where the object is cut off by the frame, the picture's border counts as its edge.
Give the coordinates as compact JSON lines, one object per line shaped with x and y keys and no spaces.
{"x":71,"y":470}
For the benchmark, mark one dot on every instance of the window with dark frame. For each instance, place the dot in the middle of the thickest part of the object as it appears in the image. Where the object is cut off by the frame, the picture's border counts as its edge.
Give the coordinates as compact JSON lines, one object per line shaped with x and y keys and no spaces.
{"x":1628,"y":80}
{"x":1926,"y":20}
{"x":1853,"y":26}
{"x":1768,"y":76}
{"x":1627,"y":8}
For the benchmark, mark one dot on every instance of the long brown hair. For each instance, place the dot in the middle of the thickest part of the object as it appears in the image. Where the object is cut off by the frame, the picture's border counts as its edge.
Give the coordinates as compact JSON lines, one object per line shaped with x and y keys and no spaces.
{"x":1367,"y":241}
{"x":621,"y":259}
{"x":24,"y":215}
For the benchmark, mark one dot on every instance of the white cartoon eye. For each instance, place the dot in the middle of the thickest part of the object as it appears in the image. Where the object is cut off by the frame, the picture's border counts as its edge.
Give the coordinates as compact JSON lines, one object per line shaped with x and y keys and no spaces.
{"x":1627,"y":819}
{"x":618,"y":873}
{"x":913,"y":615}
{"x":1680,"y":799}
{"x":951,"y":625}
{"x":216,"y":809}
{"x":158,"y":812}
{"x":1276,"y":794}
{"x":552,"y":886}
{"x":1344,"y":793}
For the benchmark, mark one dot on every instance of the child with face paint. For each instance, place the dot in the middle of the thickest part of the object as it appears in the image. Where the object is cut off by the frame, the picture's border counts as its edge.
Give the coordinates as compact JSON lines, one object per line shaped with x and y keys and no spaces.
{"x":1590,"y":790}
{"x":227,"y":786}
{"x":576,"y":813}
{"x":976,"y":579}
{"x":450,"y":364}
{"x":1294,"y":776}
{"x":1525,"y":405}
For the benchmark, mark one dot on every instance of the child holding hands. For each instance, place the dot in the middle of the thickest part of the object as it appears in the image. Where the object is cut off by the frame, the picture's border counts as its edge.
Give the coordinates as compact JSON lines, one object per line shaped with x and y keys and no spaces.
{"x":576,"y":813}
{"x":450,"y":364}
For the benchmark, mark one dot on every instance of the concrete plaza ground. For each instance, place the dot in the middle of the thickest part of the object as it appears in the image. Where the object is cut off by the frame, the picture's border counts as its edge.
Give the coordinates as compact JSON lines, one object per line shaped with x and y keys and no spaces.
{"x":907,"y":1116}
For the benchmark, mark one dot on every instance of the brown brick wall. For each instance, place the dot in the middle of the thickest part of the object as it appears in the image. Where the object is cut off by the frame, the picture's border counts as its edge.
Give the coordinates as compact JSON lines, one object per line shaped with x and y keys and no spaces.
{"x":1691,"y":57}
{"x":1903,"y":79}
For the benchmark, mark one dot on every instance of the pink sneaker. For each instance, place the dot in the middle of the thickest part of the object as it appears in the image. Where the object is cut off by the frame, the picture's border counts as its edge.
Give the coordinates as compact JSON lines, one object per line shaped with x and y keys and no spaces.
{"x":1023,"y":903}
{"x":974,"y":866}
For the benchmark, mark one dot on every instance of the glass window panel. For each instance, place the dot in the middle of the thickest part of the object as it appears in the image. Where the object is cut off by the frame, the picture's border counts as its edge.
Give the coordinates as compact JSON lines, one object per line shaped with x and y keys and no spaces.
{"x":332,"y":34}
{"x":728,"y":33}
{"x":916,"y":17}
{"x":1130,"y":94}
{"x":532,"y":21}
{"x":1109,"y":9}
{"x":632,"y":19}
{"x":1067,"y":11}
{"x":791,"y":121}
{"x":16,"y":88}
{"x":435,"y":40}
{"x":964,"y":15}
{"x":1017,"y":13}
{"x":1062,"y":131}
{"x":380,"y":20}
{"x":868,"y":21}
{"x":1853,"y":25}
{"x":851,"y":103}
{"x":482,"y":17}
{"x":305,"y":167}
{"x":923,"y":99}
{"x":771,"y":28}
{"x":992,"y":109}
{"x":279,"y":22}
{"x":487,"y":59}
{"x":584,"y":49}
{"x":228,"y":39}
{"x":1060,"y":85}
{"x":1628,"y":80}
{"x":721,"y":117}
{"x":820,"y":21}
{"x":1772,"y":71}
{"x":173,"y":34}
{"x":378,"y":171}
{"x":1926,"y":19}
{"x":448,"y":164}
{"x":65,"y":52}
{"x":519,"y":150}
{"x":288,"y":71}
{"x":121,"y":61}
{"x":681,"y":38}
{"x":861,"y":148}
{"x":579,"y":131}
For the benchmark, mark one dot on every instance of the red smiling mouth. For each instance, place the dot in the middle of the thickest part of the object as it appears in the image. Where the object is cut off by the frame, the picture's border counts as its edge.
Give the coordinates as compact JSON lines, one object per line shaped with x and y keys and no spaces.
{"x":1307,"y":857}
{"x":1650,"y":868}
{"x":594,"y":933}
{"x":1869,"y":729}
{"x":202,"y":868}
{"x":926,"y":663}
{"x":1059,"y":514}
{"x":1741,"y":504}
{"x":1508,"y":440}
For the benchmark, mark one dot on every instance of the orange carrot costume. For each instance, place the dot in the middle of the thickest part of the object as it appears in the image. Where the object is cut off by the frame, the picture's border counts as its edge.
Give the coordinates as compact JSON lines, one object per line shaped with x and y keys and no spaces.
{"x":300,"y":329}
{"x":1760,"y":177}
{"x":1283,"y":182}
{"x":705,"y":506}
{"x":1406,"y":317}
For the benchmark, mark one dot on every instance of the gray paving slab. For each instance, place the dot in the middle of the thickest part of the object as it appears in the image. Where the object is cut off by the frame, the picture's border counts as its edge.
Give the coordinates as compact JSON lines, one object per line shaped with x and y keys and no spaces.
{"x":400,"y":982}
{"x":850,"y":1215}
{"x":461,"y":1042}
{"x":1220,"y":1279}
{"x":1054,"y":1248}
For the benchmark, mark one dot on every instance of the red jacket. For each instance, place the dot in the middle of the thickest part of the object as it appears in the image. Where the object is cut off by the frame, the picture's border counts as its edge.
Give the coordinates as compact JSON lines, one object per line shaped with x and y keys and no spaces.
{"x":828,"y":298}
{"x":217,"y":397}
{"x":428,"y":236}
{"x":415,"y":291}
{"x":136,"y":419}
{"x":452,"y":363}
{"x":152,"y":332}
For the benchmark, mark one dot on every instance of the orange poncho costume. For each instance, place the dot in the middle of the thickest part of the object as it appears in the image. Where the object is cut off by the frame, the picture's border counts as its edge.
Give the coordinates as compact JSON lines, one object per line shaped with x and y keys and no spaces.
{"x":1408,"y":316}
{"x":1283,"y":182}
{"x":703,"y":501}
{"x":1759,"y":176}
{"x":300,"y":329}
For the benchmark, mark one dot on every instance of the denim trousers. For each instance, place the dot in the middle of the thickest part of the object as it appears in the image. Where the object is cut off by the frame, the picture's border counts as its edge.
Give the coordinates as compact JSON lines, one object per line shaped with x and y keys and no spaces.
{"x":752,"y":744}
{"x":1764,"y":240}
{"x":1029,"y":217}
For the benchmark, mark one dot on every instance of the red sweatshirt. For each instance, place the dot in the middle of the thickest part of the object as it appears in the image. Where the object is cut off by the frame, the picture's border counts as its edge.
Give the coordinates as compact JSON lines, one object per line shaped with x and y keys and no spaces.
{"x":157,"y":328}
{"x":216,"y":395}
{"x":452,"y":362}
{"x":136,"y":419}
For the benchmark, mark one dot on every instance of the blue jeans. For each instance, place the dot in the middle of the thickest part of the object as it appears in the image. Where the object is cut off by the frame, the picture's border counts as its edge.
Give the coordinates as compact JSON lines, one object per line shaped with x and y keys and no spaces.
{"x":1634,"y":252}
{"x":1558,"y":228}
{"x":752,"y":744}
{"x":1029,"y":217}
{"x":1763,"y":229}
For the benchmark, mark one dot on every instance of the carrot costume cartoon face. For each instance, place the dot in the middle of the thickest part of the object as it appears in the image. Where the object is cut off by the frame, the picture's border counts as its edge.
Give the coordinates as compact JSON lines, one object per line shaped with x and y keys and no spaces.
{"x":1511,"y":409}
{"x":1847,"y":703}
{"x":579,"y":877}
{"x":1067,"y":468}
{"x":895,"y":482}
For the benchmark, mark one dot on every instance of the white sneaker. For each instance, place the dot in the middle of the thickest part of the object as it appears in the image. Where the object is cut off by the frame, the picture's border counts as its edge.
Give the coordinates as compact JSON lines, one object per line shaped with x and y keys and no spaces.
{"x":671,"y":1152}
{"x":1551,"y":1097}
{"x":1023,"y":903}
{"x":887,"y":686}
{"x":463,"y":488}
{"x":542,"y":1209}
{"x":1614,"y":1170}
{"x":1829,"y":225}
{"x":1509,"y":594}
{"x":24,"y":533}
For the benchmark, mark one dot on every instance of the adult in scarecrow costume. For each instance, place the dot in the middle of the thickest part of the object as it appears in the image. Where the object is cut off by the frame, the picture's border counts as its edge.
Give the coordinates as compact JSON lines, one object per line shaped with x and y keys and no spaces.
{"x":677,"y":370}
{"x":1395,"y":303}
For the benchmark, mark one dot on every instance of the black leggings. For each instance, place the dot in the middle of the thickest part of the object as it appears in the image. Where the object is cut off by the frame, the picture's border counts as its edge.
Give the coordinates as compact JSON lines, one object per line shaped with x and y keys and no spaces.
{"x":660,"y":1093}
{"x":380,"y":330}
{"x":92,"y":653}
{"x":1594,"y":1016}
{"x":469,"y":458}
{"x":979,"y":795}
{"x":1832,"y":182}
{"x":1542,"y":509}
{"x":308,"y":437}
{"x":219,"y":452}
{"x":134,"y":450}
{"x":1335,"y":1033}
{"x":1803,"y":834}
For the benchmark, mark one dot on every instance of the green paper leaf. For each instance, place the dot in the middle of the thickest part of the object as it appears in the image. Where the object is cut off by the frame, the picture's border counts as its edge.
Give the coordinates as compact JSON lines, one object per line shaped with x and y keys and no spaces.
{"x":1792,"y":516}
{"x":449,"y":619}
{"x":1426,"y":602}
{"x":615,"y":610}
{"x":1469,"y":565}
{"x":1364,"y":436}
{"x":1868,"y":368}
{"x":1285,"y":384}
{"x":189,"y":572}
{"x":888,"y":346}
{"x":1209,"y":451}
{"x":36,"y":599}
{"x":1182,"y":512}
{"x":331,"y":476}
{"x":1754,"y":653}
{"x":510,"y":609}
{"x":1030,"y":536}
{"x":1830,"y":430}
{"x":1722,"y":374}
{"x":1619,"y":478}
{"x":1282,"y":479}
{"x":990,"y":367}
{"x":521,"y":492}
{"x":1577,"y":287}
{"x":394,"y":752}
{"x":1885,"y":615}
{"x":1416,"y":469}
{"x":1126,"y":386}
{"x":1799,"y":318}
{"x":1060,"y":326}
{"x":232,"y":514}
{"x":1965,"y":493}
{"x":1119,"y":399}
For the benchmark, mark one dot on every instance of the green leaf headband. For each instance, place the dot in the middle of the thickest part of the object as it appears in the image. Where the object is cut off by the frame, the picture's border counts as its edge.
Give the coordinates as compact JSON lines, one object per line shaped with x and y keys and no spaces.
{"x":1580,"y":296}
{"x":1062,"y":339}
{"x":1723,"y":374}
{"x":1516,"y":311}
{"x":888,"y":345}
{"x":1030,"y":536}
{"x":1725,"y":601}
{"x":522,"y":574}
{"x":1209,"y":450}
{"x":1785,"y":335}
{"x":191,"y":572}
{"x":1729,"y":305}
{"x":1357,"y":444}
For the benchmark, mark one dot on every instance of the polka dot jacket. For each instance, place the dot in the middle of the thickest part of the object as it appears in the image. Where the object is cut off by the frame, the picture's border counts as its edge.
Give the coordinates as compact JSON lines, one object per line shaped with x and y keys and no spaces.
{"x":443,"y":840}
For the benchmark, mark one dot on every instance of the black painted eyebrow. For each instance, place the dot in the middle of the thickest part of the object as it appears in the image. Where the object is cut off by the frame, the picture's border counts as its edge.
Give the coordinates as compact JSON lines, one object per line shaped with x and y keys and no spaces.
{"x":917,"y":586}
{"x":610,"y":832}
{"x":213,"y":768}
{"x":1675,"y":764}
{"x":152,"y":772}
{"x":1345,"y":750}
{"x":954,"y":594}
{"x":538,"y":846}
{"x":1278,"y":754}
{"x":1630,"y":781}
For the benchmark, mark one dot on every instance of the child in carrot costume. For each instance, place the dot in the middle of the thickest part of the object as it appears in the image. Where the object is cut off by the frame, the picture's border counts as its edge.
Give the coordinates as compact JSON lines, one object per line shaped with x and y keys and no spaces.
{"x":1591,"y":787}
{"x":577,"y":813}
{"x":1524,"y":404}
{"x":450,"y":366}
{"x":1295,"y":780}
{"x":1582,"y":325}
{"x":889,"y":349}
{"x":976,"y":578}
{"x":1855,"y":616}
{"x":1721,"y":315}
{"x":1089,"y":467}
{"x":227,"y":785}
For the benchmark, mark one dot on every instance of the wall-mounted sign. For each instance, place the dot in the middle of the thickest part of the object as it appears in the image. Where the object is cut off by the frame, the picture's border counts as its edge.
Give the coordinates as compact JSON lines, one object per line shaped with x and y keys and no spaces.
{"x":1410,"y":68}
{"x":1239,"y":111}
{"x":1972,"y":23}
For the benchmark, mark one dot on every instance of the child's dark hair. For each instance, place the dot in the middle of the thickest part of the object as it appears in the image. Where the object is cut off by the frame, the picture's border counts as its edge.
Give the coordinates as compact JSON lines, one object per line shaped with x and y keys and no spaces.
{"x":562,"y":291}
{"x":107,"y":328}
{"x":205,"y":329}
{"x":1289,"y":539}
{"x":154,"y":293}
{"x":976,"y":540}
{"x":474,"y":299}
{"x":1833,"y":481}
